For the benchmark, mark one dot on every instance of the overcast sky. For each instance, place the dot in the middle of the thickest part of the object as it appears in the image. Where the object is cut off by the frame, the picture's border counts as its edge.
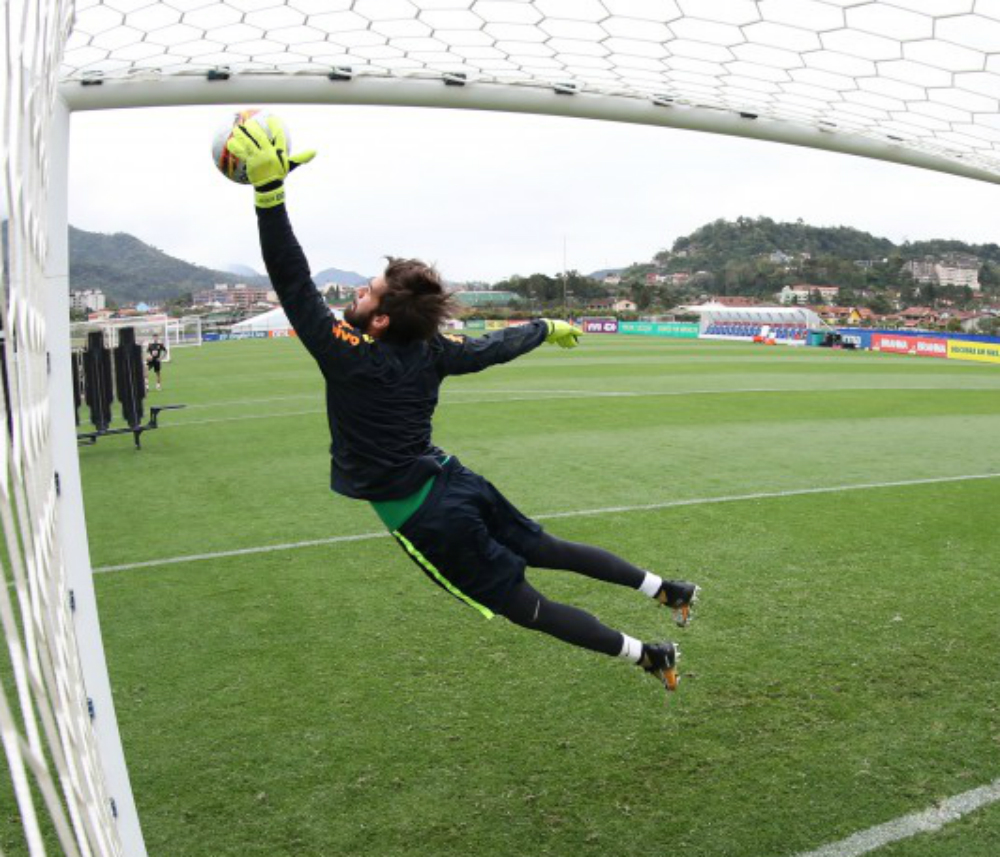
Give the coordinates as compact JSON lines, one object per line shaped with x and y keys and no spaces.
{"x":486,"y":195}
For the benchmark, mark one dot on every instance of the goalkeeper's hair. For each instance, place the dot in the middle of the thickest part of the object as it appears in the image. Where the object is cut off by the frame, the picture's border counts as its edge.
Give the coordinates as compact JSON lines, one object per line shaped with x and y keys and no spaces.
{"x":415,"y":300}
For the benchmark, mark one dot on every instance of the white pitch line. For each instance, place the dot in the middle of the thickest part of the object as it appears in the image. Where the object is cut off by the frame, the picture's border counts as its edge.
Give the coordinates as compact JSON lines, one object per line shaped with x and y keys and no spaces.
{"x":537,"y":395}
{"x":930,"y":820}
{"x":550,"y":516}
{"x":240,"y":552}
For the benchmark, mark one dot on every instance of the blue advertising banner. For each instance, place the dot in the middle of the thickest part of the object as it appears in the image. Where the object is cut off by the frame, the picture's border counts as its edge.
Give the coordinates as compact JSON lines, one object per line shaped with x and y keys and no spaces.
{"x":859,"y":337}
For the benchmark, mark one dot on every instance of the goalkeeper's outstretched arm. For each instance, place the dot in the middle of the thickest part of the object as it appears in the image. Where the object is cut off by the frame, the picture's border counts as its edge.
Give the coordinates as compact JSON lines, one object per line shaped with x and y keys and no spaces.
{"x":463,"y":355}
{"x":268,"y":163}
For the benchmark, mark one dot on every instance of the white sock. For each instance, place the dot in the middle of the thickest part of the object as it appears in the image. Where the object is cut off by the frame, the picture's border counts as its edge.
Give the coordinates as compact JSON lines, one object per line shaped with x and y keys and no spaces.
{"x":651,"y":584}
{"x":631,"y":649}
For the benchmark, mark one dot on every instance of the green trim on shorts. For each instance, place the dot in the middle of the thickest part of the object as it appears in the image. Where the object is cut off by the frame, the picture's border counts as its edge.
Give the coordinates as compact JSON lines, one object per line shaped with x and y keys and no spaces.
{"x":440,"y":578}
{"x":395,"y":513}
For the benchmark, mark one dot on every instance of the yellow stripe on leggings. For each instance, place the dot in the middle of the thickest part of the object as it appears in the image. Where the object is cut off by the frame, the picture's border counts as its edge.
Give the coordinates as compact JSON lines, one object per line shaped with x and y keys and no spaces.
{"x":447,"y":584}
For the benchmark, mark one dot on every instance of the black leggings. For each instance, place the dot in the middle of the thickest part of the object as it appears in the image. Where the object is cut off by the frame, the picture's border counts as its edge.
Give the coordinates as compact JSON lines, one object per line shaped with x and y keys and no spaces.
{"x":530,"y":609}
{"x":598,"y":563}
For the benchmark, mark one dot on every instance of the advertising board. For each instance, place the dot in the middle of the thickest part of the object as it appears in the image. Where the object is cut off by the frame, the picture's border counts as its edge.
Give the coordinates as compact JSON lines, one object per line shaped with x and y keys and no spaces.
{"x":600,"y":325}
{"x":679,"y":329}
{"x":983,"y":352}
{"x":922,"y":346}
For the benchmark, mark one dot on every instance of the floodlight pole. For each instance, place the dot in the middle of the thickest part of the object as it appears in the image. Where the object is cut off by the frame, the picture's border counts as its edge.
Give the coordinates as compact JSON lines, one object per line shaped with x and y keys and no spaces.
{"x":71,"y":522}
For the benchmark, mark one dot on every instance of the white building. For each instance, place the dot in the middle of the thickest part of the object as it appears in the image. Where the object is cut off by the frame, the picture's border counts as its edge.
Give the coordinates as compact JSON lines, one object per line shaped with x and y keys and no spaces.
{"x":958,"y":269}
{"x":91,"y":300}
{"x":952,"y":269}
{"x":803,"y":294}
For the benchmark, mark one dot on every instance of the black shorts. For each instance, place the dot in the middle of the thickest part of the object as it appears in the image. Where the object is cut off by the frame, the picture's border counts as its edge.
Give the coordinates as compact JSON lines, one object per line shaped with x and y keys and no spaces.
{"x":153,"y":365}
{"x":469,"y":539}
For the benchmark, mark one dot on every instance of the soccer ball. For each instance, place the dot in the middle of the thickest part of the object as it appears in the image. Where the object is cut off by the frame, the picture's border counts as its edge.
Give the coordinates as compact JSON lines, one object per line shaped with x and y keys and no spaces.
{"x":226,"y":162}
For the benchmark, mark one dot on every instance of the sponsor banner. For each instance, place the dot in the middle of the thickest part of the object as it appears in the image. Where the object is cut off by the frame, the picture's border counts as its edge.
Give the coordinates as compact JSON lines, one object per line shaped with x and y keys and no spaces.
{"x":984,"y":352}
{"x":680,"y":329}
{"x":923,"y":346}
{"x":475,"y":324}
{"x":931,"y":347}
{"x":496,"y":324}
{"x":228,"y":335}
{"x":855,"y":337}
{"x":599,"y":325}
{"x":517,"y":322}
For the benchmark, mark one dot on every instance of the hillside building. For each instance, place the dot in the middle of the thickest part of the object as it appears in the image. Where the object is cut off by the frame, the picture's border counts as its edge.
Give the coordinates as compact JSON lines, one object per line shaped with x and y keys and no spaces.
{"x":952,"y":269}
{"x":612,"y":305}
{"x":240,"y":296}
{"x":802,"y":294}
{"x":89,"y":300}
{"x":958,"y":269}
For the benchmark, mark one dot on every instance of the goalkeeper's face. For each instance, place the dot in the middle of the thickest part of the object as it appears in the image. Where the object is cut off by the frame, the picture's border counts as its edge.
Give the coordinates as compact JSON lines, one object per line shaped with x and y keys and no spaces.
{"x":365,"y":305}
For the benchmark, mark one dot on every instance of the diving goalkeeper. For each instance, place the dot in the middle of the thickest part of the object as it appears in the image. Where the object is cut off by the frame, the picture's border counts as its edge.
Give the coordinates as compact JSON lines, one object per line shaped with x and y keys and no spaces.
{"x":384,"y":365}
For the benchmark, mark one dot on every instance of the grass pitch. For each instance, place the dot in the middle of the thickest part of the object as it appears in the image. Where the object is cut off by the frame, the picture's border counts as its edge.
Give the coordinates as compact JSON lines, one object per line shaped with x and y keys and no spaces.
{"x":328,"y":700}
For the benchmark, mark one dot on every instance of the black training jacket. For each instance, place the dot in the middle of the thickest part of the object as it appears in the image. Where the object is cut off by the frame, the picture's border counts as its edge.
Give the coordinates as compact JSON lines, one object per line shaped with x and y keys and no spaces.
{"x":380,"y":397}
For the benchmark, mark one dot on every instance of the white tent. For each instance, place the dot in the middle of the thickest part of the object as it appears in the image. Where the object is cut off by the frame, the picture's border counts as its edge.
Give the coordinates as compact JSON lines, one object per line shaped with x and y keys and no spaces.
{"x":787,"y":324}
{"x":273,"y":320}
{"x":718,"y":313}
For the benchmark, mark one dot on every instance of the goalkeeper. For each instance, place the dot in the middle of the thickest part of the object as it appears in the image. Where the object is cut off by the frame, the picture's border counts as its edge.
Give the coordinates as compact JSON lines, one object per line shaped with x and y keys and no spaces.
{"x":384,"y":365}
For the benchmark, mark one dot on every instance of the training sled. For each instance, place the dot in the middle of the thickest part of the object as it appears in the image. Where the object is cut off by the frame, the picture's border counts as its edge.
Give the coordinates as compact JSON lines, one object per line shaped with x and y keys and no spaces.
{"x":99,"y":373}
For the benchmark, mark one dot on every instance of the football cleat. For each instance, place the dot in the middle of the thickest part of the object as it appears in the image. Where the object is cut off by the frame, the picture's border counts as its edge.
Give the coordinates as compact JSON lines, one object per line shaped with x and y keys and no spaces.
{"x":679,"y":596}
{"x":660,"y":660}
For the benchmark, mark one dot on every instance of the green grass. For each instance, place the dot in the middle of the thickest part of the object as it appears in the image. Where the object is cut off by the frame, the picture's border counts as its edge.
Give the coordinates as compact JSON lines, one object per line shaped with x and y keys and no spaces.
{"x":328,"y":700}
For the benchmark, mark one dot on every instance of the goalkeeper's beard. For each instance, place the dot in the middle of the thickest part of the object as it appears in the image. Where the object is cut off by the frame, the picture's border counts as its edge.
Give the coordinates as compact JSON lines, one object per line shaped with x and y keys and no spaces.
{"x":356,"y":318}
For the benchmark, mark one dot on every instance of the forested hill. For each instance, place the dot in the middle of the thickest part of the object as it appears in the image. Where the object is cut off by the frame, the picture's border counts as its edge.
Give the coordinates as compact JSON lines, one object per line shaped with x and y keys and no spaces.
{"x":713,"y":246}
{"x":126,"y":269}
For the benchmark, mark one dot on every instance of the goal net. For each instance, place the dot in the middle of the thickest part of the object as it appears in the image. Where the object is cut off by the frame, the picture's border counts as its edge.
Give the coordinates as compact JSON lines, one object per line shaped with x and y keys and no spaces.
{"x":173,"y":332}
{"x":47,"y":709}
{"x":910,"y":81}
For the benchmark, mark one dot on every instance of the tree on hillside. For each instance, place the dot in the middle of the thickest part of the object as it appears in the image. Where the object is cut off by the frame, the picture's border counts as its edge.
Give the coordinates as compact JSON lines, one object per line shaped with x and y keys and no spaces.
{"x":880,"y":305}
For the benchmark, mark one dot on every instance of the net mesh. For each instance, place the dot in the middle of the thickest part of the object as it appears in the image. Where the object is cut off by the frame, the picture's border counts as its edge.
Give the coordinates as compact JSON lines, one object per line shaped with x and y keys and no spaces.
{"x":183,"y":332}
{"x":922,"y":74}
{"x":50,"y":748}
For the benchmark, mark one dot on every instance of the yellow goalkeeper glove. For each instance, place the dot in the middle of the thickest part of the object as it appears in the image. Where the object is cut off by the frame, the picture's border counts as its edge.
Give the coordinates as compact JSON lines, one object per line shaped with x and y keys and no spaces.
{"x":562,"y":333}
{"x":267,"y":160}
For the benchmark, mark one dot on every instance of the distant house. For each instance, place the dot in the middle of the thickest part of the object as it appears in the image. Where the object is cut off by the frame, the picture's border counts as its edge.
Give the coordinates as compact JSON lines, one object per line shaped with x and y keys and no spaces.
{"x":612,"y":305}
{"x":860,"y":315}
{"x":240,"y":295}
{"x":803,"y":293}
{"x":915,"y":316}
{"x":90,"y":300}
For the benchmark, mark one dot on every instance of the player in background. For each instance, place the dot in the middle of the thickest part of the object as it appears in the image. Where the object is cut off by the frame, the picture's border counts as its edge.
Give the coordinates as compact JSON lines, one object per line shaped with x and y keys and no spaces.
{"x":384,"y":365}
{"x":156,"y":352}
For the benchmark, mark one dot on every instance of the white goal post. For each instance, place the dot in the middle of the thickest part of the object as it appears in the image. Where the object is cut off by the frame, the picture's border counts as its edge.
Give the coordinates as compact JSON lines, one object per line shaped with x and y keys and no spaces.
{"x":182,"y":332}
{"x":886,"y":80}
